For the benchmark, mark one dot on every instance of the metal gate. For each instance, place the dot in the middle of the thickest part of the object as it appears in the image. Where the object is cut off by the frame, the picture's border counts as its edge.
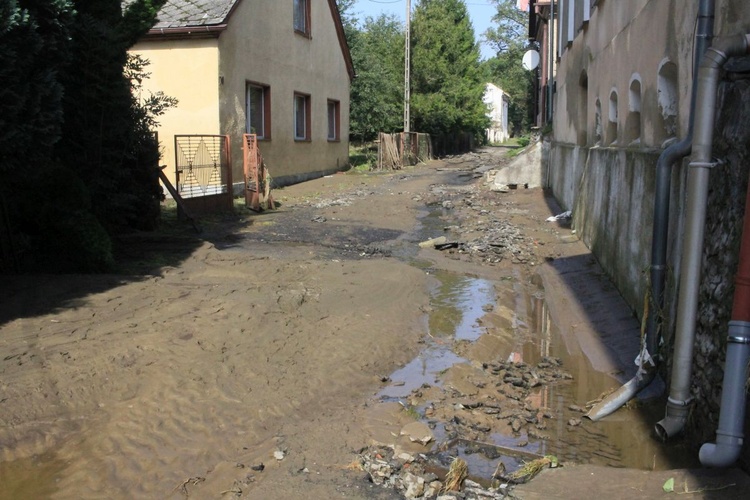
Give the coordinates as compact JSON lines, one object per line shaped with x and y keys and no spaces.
{"x":257,"y":179}
{"x":203,"y":165}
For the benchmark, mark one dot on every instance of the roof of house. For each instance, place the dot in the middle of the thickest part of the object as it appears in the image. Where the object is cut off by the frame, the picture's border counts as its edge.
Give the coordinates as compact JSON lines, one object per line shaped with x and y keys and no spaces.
{"x":192,"y":13}
{"x":210,"y":18}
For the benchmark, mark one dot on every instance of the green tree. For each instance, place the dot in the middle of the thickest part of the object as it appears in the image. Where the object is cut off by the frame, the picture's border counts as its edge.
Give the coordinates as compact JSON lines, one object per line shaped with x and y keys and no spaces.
{"x":104,"y":136}
{"x":509,"y":38}
{"x":76,"y":154}
{"x":377,"y":94}
{"x":447,"y":79}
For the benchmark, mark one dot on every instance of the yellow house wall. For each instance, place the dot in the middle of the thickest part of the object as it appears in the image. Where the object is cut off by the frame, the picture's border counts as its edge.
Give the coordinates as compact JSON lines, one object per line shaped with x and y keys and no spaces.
{"x":261,"y":46}
{"x":187,"y":70}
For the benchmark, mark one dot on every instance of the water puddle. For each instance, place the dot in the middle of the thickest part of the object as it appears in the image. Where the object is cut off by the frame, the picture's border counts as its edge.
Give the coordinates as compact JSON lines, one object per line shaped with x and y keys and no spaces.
{"x":33,"y":477}
{"x":490,"y":337}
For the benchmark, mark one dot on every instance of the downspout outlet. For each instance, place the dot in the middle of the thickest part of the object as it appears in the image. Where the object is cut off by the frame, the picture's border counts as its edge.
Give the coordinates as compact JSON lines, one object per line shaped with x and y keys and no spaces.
{"x":729,"y":436}
{"x":674,"y":419}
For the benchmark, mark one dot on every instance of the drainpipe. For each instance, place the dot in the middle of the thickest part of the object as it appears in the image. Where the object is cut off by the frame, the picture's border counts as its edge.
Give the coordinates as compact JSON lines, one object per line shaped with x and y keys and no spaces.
{"x":678,"y":402}
{"x":647,"y":359}
{"x":729,"y":435}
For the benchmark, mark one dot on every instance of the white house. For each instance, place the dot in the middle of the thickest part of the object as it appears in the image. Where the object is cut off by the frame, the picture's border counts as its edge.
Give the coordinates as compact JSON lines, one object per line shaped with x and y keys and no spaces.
{"x":497,"y":102}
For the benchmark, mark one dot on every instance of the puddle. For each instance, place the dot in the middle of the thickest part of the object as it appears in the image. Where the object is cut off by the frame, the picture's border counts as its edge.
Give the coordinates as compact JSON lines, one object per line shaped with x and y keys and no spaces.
{"x":475,"y":323}
{"x":33,"y":477}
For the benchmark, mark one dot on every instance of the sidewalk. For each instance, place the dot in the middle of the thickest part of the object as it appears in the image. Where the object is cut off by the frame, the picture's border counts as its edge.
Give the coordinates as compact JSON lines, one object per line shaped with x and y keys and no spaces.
{"x":595,"y":320}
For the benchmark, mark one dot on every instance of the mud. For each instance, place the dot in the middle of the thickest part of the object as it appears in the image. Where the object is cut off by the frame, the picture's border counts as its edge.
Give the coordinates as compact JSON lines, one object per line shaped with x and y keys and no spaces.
{"x":256,"y":360}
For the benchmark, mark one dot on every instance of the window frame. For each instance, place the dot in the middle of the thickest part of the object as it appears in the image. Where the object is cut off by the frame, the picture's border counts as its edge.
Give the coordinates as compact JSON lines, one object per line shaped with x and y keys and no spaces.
{"x":266,"y":109}
{"x":297,"y":6}
{"x":336,"y":120}
{"x":306,"y":100}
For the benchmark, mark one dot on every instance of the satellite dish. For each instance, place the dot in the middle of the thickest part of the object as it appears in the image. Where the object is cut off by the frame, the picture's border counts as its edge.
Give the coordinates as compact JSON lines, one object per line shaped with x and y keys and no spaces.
{"x":531,"y":59}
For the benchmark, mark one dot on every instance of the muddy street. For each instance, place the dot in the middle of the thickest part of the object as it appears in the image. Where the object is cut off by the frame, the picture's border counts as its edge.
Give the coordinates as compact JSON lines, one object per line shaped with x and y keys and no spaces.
{"x":270,"y":355}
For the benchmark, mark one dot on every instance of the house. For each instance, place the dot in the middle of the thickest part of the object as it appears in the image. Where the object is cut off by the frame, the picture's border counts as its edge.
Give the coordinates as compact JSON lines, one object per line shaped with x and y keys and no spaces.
{"x":497,"y":102}
{"x":281,"y":70}
{"x":620,"y":92}
{"x":542,"y":29}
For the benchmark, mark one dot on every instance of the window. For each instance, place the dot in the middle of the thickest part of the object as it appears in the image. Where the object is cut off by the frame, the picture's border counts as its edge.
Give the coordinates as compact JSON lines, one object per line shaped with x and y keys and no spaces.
{"x":258,"y":110}
{"x":302,"y":16}
{"x":301,"y":117}
{"x":334,"y":128}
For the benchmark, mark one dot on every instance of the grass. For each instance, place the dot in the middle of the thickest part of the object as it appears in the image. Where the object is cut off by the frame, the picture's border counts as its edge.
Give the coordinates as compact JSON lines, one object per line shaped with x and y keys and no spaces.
{"x":363,"y":158}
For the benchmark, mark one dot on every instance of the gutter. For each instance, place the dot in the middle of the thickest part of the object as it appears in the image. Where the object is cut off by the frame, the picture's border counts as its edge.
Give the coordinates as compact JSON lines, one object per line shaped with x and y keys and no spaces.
{"x":183,"y":32}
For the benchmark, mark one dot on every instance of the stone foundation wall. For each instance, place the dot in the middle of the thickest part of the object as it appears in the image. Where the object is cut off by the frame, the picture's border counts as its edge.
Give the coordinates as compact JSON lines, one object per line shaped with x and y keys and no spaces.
{"x":726,"y":204}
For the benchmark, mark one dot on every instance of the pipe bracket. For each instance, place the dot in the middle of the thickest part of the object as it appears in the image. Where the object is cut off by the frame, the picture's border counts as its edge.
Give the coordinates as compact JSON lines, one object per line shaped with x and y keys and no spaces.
{"x":703,"y":164}
{"x":738,"y":340}
{"x":676,"y":402}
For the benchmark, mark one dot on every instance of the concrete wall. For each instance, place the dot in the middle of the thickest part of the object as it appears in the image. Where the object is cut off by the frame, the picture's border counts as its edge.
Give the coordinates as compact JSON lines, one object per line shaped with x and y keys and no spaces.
{"x":610,"y":192}
{"x":260,"y":45}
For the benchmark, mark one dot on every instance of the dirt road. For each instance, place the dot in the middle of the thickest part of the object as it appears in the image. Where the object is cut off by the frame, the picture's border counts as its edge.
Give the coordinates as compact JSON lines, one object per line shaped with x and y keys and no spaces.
{"x":246,"y":362}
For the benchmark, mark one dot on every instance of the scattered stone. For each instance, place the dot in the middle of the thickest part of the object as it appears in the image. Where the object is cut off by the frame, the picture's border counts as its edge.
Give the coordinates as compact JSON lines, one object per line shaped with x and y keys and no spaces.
{"x":278,"y":455}
{"x":440,"y":240}
{"x":319,"y":218}
{"x":417,"y":432}
{"x":574,"y":422}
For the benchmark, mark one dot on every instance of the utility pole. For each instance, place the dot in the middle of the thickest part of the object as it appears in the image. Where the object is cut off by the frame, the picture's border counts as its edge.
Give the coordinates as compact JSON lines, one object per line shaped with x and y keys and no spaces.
{"x":407,"y":69}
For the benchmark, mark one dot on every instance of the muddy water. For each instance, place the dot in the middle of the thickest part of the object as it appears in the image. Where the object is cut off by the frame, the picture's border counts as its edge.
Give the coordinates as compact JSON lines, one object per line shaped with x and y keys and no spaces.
{"x":33,"y":477}
{"x":509,"y":321}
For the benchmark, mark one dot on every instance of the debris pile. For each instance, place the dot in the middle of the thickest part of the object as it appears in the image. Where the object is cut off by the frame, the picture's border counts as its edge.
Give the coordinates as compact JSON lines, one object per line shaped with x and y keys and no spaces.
{"x":418,"y":477}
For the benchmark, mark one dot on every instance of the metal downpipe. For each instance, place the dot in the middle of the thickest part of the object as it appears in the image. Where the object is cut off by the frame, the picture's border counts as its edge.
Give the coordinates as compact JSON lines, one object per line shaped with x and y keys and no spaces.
{"x":678,"y":402}
{"x":648,"y":360}
{"x":729,"y":435}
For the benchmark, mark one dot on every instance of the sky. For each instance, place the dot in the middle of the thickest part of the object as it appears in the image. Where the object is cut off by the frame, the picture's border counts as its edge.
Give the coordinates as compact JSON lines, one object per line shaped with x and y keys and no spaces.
{"x":480,"y":11}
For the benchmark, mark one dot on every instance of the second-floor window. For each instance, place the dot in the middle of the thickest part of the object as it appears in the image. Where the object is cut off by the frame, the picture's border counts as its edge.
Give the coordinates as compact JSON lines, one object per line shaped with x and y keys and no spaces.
{"x":302,"y":16}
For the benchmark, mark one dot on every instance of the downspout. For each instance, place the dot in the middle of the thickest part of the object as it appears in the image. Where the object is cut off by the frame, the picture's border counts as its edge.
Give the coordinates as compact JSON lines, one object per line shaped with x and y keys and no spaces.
{"x":647,"y":359}
{"x":678,"y":402}
{"x":729,"y":436}
{"x":550,"y":75}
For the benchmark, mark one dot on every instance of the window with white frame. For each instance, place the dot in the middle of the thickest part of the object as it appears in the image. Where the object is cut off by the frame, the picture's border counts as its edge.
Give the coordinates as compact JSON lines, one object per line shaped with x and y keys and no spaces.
{"x":301,"y":117}
{"x":258,"y":110}
{"x":334,"y":127}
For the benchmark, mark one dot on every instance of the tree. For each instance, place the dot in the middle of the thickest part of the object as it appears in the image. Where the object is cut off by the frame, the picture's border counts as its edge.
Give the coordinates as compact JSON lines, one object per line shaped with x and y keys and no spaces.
{"x":377,"y":93}
{"x":509,"y":38}
{"x":76,"y":155}
{"x":447,"y":80}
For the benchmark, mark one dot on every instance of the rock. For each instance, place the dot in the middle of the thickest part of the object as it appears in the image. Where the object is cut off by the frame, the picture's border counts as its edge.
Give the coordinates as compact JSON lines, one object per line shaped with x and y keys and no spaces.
{"x":440,"y":240}
{"x":414,"y":485}
{"x":433,"y":489}
{"x":574,"y":422}
{"x":278,"y":455}
{"x":417,"y":432}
